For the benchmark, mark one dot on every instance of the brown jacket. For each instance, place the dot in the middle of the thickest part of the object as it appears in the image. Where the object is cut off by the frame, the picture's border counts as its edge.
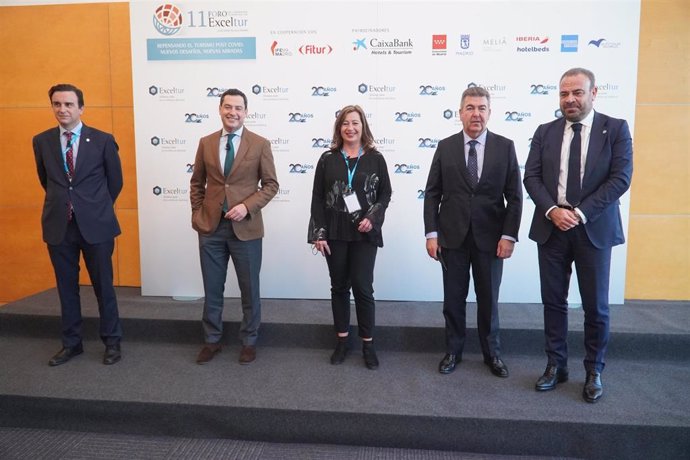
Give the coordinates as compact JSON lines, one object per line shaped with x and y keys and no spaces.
{"x":252,"y":181}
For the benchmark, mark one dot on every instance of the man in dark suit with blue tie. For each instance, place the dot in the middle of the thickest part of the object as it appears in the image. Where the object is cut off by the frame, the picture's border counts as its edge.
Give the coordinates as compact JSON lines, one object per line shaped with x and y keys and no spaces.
{"x":79,"y":169}
{"x":577,"y":169}
{"x":472,"y":211}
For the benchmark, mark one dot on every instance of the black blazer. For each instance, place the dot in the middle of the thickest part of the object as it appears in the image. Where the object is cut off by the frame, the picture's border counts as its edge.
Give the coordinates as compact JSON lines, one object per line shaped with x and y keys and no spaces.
{"x":96,"y":184}
{"x":493,"y":208}
{"x":608,"y":172}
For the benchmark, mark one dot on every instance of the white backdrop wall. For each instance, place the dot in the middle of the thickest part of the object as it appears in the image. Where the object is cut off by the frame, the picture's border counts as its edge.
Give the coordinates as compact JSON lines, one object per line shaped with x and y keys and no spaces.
{"x":406,"y":63}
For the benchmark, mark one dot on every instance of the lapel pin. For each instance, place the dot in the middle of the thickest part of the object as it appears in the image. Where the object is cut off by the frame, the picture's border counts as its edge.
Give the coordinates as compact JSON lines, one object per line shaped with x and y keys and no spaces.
{"x":89,"y":140}
{"x":603,"y":132}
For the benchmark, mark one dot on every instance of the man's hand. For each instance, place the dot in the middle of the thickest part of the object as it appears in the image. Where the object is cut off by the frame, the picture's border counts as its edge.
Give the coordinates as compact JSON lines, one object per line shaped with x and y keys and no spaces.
{"x":564,"y":219}
{"x":237,"y":213}
{"x":505,"y":248}
{"x":432,"y":247}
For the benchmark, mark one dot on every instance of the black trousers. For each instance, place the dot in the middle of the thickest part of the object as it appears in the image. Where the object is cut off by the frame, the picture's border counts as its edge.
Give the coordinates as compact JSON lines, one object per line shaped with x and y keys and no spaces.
{"x":351,"y":266}
{"x":98,"y":260}
{"x":487,"y":271}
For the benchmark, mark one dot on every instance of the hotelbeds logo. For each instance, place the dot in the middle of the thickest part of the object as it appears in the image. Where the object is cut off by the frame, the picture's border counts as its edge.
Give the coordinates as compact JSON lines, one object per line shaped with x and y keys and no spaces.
{"x":532,"y":44}
{"x":167,"y":19}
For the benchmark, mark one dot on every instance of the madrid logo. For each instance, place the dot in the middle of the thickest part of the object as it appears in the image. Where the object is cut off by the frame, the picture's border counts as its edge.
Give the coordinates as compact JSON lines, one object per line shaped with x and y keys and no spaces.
{"x":167,"y":19}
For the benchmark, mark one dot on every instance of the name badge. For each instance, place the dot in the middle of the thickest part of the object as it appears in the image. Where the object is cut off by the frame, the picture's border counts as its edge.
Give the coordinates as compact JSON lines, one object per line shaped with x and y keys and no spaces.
{"x":351,"y":202}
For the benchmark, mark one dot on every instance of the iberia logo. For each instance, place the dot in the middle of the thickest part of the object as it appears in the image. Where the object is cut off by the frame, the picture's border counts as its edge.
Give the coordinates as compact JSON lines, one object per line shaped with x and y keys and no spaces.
{"x":167,"y":19}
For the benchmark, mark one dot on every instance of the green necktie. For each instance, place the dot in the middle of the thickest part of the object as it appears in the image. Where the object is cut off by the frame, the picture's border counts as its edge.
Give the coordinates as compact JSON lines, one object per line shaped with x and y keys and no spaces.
{"x":229,"y":155}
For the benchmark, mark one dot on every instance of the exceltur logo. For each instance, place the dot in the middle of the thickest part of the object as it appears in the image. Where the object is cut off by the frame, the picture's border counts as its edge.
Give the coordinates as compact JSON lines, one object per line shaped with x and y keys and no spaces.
{"x":297,"y":168}
{"x":297,"y":117}
{"x":195,"y":117}
{"x":165,"y":92}
{"x":407,"y":117}
{"x":541,"y":90}
{"x":321,"y":143}
{"x":378,"y":89}
{"x":517,"y":116}
{"x":403,"y":168}
{"x":167,"y":19}
{"x":427,"y":143}
{"x":448,"y":114}
{"x":430,"y":90}
{"x":167,"y":141}
{"x":323,"y":91}
{"x":215,"y":91}
{"x":269,"y":90}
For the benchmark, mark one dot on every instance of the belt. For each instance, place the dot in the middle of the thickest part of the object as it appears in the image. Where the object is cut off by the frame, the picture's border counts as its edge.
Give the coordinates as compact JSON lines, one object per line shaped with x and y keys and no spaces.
{"x":565,"y":206}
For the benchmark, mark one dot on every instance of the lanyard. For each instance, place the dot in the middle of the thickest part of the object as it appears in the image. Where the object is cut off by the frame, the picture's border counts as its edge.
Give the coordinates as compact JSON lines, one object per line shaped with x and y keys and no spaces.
{"x":351,"y":172}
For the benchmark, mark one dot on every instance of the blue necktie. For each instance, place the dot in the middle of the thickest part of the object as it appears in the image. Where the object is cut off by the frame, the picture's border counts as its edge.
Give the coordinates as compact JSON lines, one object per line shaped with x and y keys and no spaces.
{"x":472,"y":166}
{"x":573,"y":189}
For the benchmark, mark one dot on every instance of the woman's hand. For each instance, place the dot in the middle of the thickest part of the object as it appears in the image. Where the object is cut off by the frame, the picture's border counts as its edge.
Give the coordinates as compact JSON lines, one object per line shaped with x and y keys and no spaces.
{"x":365,"y":226}
{"x":322,"y":247}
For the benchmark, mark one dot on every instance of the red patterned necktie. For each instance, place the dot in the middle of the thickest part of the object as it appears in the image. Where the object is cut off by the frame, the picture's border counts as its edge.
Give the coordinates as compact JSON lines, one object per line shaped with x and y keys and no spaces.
{"x":69,"y":159}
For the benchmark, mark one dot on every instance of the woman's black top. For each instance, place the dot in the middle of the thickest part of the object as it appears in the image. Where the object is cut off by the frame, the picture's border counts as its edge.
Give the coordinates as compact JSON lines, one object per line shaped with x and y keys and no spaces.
{"x":330,"y":219}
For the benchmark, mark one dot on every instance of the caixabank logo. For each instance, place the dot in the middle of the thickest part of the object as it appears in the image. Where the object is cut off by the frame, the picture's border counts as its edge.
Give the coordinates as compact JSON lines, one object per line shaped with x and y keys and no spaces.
{"x":383,"y":46}
{"x":167,"y":19}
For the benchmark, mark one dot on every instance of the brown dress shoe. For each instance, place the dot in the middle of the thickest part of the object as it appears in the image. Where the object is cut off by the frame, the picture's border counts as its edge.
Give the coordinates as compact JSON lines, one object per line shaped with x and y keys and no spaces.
{"x":248,"y":354}
{"x":208,"y":352}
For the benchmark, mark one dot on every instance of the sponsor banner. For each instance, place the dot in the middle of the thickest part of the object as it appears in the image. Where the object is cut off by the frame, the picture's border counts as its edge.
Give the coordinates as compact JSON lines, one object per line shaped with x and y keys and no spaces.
{"x":406,"y":63}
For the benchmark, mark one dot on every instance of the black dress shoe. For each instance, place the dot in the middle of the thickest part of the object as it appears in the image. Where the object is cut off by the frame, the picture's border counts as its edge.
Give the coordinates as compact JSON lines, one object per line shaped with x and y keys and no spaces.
{"x":498,"y":367}
{"x":341,"y":350}
{"x":112,"y":354}
{"x":593,"y":389}
{"x":64,"y":355}
{"x":552,"y":376}
{"x":369,"y":354}
{"x":447,"y":364}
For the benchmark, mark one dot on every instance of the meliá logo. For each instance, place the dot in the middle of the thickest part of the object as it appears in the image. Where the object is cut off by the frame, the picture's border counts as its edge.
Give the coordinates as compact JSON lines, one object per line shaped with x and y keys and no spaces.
{"x":299,"y":168}
{"x":167,"y":19}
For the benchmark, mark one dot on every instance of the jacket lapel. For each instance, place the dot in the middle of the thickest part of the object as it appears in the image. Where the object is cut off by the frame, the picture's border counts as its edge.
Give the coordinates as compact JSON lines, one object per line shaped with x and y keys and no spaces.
{"x":242,"y":151}
{"x":462,"y":164}
{"x":555,"y":140}
{"x":597,"y":139}
{"x":56,"y":153}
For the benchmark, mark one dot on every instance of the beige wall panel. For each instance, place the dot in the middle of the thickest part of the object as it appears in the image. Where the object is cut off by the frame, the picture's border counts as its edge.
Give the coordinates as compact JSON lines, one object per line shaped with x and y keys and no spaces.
{"x":21,"y":187}
{"x":54,"y":44}
{"x":661,"y":161}
{"x":120,"y":55}
{"x":664,"y":67}
{"x":25,"y":267}
{"x":128,"y":248}
{"x":123,"y":130}
{"x":658,"y":265}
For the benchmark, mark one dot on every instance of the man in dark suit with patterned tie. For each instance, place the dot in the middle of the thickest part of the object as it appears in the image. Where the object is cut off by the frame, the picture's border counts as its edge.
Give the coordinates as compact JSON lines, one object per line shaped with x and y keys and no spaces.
{"x":472,"y":212}
{"x":79,"y":168}
{"x":577,"y":169}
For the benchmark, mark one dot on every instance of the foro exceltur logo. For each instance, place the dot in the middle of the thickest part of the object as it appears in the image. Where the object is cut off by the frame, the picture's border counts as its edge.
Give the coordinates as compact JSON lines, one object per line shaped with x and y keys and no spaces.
{"x":167,"y":19}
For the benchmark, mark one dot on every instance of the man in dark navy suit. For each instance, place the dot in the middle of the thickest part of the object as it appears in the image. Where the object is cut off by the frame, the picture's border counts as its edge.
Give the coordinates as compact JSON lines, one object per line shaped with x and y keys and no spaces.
{"x":577,"y":169}
{"x":79,"y":168}
{"x":472,"y":211}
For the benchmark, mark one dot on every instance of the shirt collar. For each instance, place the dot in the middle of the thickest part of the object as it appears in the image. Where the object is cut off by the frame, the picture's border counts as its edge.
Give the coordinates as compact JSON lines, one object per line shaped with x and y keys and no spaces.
{"x":76,"y":130}
{"x":481,"y":138}
{"x":587,"y":121}
{"x":238,"y":133}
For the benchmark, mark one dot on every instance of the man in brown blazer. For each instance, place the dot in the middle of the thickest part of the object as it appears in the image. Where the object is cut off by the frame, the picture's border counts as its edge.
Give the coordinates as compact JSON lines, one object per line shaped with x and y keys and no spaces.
{"x":234,"y":177}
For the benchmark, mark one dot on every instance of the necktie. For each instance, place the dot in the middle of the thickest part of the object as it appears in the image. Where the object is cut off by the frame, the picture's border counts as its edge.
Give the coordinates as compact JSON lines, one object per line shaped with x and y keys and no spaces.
{"x":573,"y":188}
{"x":472,"y":163}
{"x":69,"y":160}
{"x":69,"y":155}
{"x":229,"y":155}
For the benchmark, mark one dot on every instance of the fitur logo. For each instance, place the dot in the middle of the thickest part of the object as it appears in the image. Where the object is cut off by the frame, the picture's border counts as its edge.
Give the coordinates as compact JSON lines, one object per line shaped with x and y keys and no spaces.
{"x":167,"y":19}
